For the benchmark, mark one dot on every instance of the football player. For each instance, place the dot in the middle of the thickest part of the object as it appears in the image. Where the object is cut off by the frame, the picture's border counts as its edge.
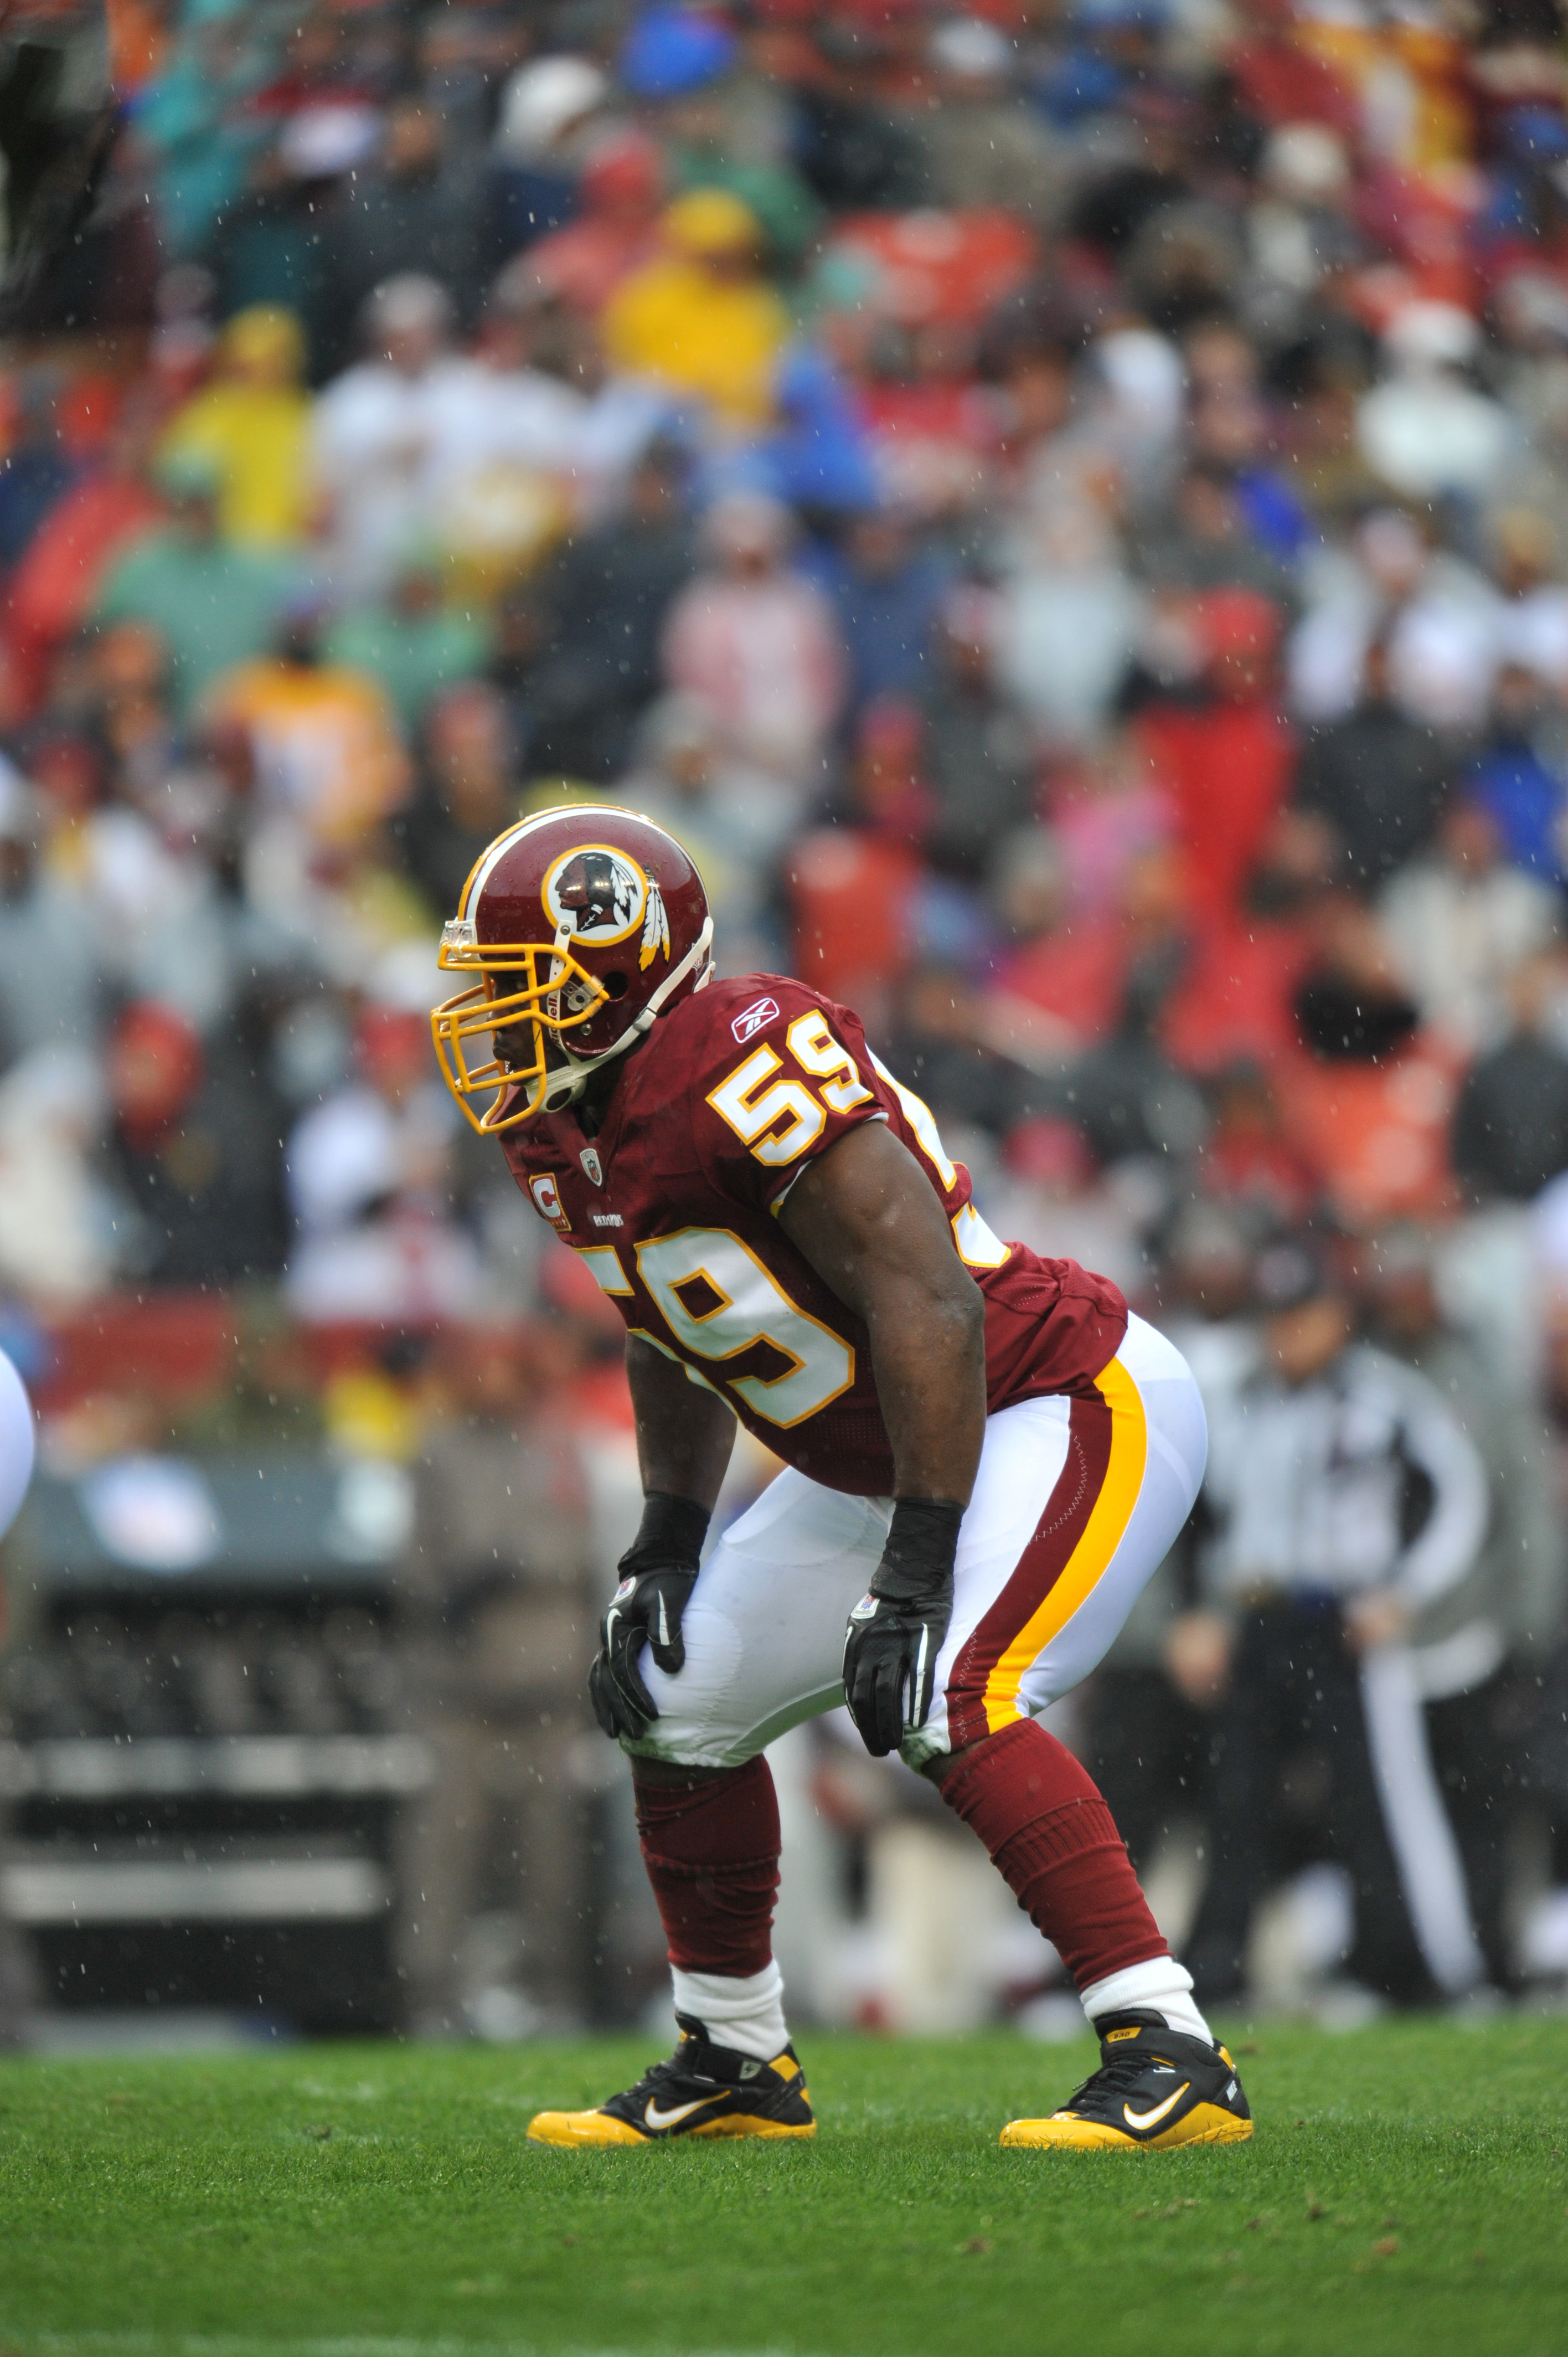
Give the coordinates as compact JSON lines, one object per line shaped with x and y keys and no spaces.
{"x":986,"y":1457}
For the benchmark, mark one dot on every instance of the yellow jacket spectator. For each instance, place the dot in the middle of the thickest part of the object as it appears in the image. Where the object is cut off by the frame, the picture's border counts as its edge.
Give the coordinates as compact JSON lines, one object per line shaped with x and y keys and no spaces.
{"x":324,"y":737}
{"x":250,"y":426}
{"x":702,"y":317}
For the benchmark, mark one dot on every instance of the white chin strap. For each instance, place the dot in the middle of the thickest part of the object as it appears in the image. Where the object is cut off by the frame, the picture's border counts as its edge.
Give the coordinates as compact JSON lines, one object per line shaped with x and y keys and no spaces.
{"x":565,"y":1088}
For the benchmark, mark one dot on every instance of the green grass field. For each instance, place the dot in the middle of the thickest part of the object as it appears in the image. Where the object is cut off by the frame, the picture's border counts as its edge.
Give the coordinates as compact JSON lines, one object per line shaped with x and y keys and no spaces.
{"x":1407,"y":2191}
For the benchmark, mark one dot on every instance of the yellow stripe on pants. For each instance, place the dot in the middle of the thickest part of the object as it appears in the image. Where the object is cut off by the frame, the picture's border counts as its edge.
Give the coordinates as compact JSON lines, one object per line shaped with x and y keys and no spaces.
{"x":1108,"y":1518}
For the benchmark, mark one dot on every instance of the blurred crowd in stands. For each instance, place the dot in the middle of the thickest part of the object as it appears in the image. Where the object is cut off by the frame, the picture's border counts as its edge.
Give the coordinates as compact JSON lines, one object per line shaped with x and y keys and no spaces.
{"x":1062,"y":506}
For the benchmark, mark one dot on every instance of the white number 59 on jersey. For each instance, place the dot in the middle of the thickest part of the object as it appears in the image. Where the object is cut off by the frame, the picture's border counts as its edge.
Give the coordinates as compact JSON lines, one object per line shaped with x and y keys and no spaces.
{"x":755,"y":1104}
{"x":716,"y":1298}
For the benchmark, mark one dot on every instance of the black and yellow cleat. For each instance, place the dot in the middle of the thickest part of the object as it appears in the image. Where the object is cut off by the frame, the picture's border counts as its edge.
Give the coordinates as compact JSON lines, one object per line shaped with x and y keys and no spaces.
{"x":1154,"y":2089}
{"x":704,"y":2090}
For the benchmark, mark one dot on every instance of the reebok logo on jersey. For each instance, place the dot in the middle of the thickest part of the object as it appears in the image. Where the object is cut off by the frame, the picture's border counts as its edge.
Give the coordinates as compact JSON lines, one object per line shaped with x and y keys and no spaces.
{"x":752,"y":1018}
{"x":606,"y":1218}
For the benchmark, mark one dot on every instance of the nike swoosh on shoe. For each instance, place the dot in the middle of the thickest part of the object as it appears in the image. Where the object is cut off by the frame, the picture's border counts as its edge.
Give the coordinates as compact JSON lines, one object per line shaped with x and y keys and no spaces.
{"x":1151,"y":2119}
{"x":656,"y":2119}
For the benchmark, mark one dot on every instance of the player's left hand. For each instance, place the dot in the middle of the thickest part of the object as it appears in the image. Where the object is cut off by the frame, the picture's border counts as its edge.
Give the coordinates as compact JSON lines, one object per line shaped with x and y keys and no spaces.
{"x":890,"y":1663}
{"x":896,"y":1630}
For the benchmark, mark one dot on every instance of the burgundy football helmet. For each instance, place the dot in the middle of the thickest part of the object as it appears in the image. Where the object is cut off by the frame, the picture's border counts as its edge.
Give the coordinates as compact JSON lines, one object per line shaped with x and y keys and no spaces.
{"x":577,"y":928}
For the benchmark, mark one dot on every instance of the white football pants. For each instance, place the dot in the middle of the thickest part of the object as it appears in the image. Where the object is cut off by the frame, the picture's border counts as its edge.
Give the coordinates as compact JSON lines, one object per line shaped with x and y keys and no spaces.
{"x":1076,"y":1504}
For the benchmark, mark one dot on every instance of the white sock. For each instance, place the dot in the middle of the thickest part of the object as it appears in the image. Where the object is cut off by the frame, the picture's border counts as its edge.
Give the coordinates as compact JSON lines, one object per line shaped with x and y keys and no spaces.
{"x":1162,"y":1987}
{"x":746,"y":2013}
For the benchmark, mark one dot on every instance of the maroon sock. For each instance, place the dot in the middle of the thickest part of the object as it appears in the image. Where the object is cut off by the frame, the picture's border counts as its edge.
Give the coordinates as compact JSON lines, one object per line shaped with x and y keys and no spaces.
{"x":1056,"y":1845}
{"x":711,"y":1853}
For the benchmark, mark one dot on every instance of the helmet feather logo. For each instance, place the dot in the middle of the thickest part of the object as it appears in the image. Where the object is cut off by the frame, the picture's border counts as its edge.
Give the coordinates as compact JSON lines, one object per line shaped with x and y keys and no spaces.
{"x":655,"y":929}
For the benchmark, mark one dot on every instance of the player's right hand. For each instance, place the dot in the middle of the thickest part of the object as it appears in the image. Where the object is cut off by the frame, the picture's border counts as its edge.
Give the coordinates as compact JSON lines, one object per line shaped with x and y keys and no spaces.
{"x":645,"y":1609}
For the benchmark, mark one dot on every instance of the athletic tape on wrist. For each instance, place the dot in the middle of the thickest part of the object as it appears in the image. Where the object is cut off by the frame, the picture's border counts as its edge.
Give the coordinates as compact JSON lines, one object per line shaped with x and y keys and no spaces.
{"x":669,"y":1535}
{"x":918,"y":1552}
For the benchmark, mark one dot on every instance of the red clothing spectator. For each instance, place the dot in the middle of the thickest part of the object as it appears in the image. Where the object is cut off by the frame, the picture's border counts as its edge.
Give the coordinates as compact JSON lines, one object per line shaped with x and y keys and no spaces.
{"x":1281,"y":81}
{"x":1375,"y":1136}
{"x":1077,"y":973}
{"x":56,"y":585}
{"x":1427,"y":225}
{"x":953,"y":266}
{"x":619,"y":198}
{"x":1227,"y":761}
{"x":934,"y":437}
{"x":1248,"y":1163}
{"x":1235,"y":1000}
{"x":1367,"y":1100}
{"x":851,"y":895}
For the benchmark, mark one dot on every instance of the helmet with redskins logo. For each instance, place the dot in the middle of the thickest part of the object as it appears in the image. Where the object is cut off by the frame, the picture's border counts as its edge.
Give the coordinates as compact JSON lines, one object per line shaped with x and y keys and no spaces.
{"x":576,"y":927}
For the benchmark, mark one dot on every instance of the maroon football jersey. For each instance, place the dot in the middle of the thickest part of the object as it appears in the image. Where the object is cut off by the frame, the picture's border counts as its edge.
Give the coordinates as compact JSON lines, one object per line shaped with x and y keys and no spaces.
{"x":671,"y":1206}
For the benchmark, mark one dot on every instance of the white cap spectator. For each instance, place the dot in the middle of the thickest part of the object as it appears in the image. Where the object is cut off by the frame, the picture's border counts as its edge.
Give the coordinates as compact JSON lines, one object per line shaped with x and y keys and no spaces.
{"x":971,"y":51}
{"x":1145,"y":383}
{"x":408,"y":307}
{"x":544,"y":103}
{"x":1425,"y":431}
{"x":1422,"y":336}
{"x":321,"y":143}
{"x":1305,"y":163}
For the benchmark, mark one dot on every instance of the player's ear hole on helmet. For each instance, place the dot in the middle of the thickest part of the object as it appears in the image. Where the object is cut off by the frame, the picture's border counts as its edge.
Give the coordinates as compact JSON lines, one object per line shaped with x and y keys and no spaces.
{"x":615,"y":984}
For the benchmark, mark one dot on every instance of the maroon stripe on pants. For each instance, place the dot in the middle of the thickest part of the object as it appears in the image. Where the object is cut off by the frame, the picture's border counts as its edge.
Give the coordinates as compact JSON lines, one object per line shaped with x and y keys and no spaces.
{"x":1045,"y":1558}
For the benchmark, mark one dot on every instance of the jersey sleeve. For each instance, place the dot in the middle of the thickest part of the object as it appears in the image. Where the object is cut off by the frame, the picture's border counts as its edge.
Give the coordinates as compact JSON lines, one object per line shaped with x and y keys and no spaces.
{"x":783,"y":1075}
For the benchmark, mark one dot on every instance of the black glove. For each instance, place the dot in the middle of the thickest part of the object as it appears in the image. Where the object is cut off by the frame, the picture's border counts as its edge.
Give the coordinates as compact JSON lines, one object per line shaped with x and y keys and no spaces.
{"x":896,"y":1632}
{"x":658,"y":1571}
